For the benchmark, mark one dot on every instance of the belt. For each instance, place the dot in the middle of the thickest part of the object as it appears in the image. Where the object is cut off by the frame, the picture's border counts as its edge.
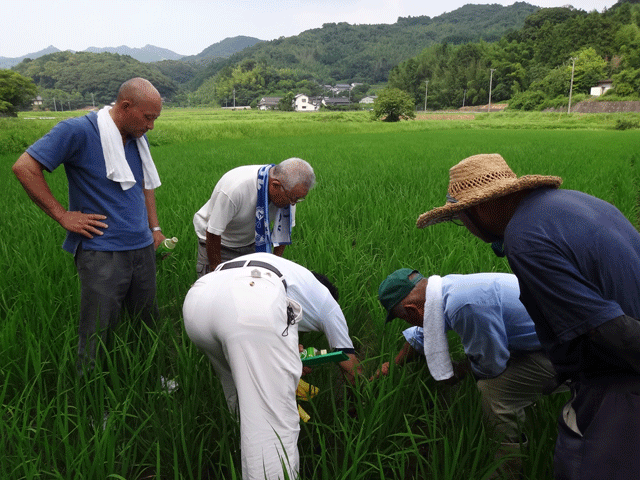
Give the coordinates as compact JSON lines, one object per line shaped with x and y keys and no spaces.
{"x":252,"y":263}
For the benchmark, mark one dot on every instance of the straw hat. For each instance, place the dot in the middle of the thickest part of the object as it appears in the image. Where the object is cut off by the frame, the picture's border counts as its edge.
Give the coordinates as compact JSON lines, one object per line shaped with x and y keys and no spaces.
{"x":478,"y":179}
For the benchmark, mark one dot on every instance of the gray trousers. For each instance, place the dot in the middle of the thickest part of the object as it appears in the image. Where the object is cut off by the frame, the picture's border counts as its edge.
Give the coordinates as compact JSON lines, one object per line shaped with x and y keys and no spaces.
{"x":505,"y":397}
{"x":226,"y":253}
{"x":111,"y":282}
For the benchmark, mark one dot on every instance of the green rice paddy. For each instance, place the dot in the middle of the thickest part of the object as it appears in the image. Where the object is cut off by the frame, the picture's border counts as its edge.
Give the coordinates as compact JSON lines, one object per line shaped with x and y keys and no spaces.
{"x":356,"y":226}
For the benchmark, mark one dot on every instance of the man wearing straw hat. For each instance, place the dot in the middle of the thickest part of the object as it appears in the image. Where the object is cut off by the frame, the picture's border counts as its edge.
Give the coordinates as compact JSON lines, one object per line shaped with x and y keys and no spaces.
{"x":577,"y":259}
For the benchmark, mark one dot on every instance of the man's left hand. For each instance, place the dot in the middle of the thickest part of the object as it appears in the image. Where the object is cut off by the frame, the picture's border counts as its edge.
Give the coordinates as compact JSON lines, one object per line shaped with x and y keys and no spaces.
{"x":158,"y":237}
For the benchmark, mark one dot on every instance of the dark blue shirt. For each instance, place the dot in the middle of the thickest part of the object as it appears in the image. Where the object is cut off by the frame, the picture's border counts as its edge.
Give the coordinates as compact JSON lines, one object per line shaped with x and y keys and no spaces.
{"x":75,"y":143}
{"x":577,"y":259}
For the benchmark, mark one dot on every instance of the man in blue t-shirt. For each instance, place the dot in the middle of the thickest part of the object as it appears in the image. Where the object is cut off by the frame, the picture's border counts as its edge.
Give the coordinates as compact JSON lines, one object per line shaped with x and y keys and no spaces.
{"x":498,"y":336}
{"x":577,"y":259}
{"x":111,"y":223}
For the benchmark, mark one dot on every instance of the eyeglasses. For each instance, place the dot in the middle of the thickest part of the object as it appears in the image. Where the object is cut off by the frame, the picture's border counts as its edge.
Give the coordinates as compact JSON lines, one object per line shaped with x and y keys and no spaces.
{"x":292,"y":201}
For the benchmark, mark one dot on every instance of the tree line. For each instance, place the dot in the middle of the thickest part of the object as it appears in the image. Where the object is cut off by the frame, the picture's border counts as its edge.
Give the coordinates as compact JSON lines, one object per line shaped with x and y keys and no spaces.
{"x":532,"y":67}
{"x":76,"y":80}
{"x":529,"y":66}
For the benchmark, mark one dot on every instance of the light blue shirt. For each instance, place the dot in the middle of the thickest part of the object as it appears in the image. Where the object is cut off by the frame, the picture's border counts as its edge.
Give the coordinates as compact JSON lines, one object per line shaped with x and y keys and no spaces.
{"x":484,"y":309}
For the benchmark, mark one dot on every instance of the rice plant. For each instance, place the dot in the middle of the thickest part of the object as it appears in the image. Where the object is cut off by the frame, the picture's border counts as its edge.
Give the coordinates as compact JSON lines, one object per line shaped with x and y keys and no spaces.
{"x":357,"y":225}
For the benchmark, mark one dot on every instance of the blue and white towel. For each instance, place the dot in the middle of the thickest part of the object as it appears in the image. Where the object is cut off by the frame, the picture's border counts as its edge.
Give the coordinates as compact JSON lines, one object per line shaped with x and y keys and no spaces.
{"x":281,"y":234}
{"x":436,"y":345}
{"x":118,"y":168}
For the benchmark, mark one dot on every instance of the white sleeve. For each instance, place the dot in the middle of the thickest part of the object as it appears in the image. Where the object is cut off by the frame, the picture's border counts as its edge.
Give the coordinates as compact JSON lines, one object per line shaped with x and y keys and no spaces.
{"x":222,"y":212}
{"x":335,"y":328}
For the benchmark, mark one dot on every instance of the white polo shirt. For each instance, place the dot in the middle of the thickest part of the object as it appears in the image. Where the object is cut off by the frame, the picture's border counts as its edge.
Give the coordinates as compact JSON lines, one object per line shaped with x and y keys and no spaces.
{"x":231,"y":210}
{"x":320,"y":312}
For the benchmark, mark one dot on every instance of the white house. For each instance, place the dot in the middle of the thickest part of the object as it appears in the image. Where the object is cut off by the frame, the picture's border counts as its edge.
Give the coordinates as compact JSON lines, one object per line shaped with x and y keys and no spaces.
{"x":369,"y":99}
{"x":601,"y":87}
{"x":304,"y":103}
{"x":268,"y":103}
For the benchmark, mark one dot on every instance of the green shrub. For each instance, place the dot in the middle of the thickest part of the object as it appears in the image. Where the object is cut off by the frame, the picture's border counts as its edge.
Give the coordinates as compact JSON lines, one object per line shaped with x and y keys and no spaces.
{"x":393,"y":105}
{"x":528,"y":100}
{"x":627,"y":123}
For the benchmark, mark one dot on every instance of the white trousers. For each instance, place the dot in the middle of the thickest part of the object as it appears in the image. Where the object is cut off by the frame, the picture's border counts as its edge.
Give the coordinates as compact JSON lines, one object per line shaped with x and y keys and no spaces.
{"x":238,"y":318}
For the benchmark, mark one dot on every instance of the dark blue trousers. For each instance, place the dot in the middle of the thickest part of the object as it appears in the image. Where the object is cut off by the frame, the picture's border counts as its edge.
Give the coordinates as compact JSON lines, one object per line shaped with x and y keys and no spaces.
{"x":599,"y":430}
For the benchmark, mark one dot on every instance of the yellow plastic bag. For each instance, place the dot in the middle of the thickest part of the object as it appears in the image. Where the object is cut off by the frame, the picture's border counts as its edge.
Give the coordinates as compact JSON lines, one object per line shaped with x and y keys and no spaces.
{"x":305,"y":391}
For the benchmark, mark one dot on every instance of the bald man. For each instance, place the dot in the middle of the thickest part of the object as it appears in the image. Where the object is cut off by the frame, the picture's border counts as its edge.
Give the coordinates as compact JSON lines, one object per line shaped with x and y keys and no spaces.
{"x":111,"y":222}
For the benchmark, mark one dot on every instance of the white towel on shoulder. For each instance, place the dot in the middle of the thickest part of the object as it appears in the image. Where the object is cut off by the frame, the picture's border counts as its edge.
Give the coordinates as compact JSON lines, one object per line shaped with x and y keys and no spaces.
{"x":118,"y":169}
{"x":436,"y":345}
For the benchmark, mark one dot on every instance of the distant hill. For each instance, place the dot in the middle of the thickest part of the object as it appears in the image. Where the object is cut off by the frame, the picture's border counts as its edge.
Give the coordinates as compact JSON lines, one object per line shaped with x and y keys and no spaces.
{"x":7,"y":62}
{"x":151,"y":53}
{"x":334,"y":53}
{"x":83,"y":77}
{"x":146,"y":54}
{"x":223,"y":49}
{"x":366,"y":53}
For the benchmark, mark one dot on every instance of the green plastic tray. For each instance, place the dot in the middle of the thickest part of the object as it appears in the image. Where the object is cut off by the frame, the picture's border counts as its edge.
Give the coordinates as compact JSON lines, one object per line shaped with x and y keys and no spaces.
{"x":326,"y":358}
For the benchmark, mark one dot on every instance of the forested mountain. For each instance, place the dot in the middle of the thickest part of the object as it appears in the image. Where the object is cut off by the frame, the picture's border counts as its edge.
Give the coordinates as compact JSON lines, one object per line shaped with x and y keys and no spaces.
{"x":146,"y":54}
{"x":186,"y":69}
{"x":151,"y":53}
{"x":333,"y":53}
{"x":365,"y":53}
{"x":83,"y":78}
{"x":532,"y":66}
{"x":523,"y":53}
{"x":222,"y":49}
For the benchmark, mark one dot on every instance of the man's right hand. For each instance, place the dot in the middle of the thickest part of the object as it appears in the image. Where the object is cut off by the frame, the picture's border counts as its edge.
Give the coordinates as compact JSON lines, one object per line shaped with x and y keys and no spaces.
{"x":384,"y":370}
{"x":86,"y":224}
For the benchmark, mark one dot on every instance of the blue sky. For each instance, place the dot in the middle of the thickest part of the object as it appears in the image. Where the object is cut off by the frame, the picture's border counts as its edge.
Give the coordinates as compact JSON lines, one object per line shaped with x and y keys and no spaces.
{"x":189,"y":26}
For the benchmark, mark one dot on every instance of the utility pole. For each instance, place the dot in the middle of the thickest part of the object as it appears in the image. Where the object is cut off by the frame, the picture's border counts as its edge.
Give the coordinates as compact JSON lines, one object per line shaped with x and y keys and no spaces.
{"x":573,"y":67}
{"x":234,"y":98}
{"x":490,"y":85}
{"x":426,"y":94}
{"x":93,"y":101}
{"x":464,"y":97}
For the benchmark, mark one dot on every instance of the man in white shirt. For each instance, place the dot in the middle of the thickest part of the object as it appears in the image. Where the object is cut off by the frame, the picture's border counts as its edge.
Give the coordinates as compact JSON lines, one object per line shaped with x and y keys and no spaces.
{"x":252,"y":208}
{"x":245,"y":316}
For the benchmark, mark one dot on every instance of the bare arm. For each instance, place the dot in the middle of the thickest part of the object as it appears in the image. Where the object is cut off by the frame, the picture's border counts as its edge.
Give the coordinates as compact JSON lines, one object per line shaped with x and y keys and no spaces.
{"x":152,"y":215}
{"x":30,"y":174}
{"x":406,"y":353}
{"x":351,"y":367}
{"x":214,"y":245}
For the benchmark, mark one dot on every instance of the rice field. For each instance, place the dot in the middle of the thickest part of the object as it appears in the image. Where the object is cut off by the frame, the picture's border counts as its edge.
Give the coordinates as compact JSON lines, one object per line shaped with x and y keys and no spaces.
{"x":356,"y":226}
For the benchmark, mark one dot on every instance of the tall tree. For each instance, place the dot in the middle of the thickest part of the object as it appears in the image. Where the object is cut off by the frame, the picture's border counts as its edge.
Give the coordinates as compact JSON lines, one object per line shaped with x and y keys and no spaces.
{"x":15,"y":91}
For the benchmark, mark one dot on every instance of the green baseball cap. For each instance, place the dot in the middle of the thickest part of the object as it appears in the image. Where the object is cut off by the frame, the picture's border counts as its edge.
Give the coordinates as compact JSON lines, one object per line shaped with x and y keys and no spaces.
{"x":396,"y":287}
